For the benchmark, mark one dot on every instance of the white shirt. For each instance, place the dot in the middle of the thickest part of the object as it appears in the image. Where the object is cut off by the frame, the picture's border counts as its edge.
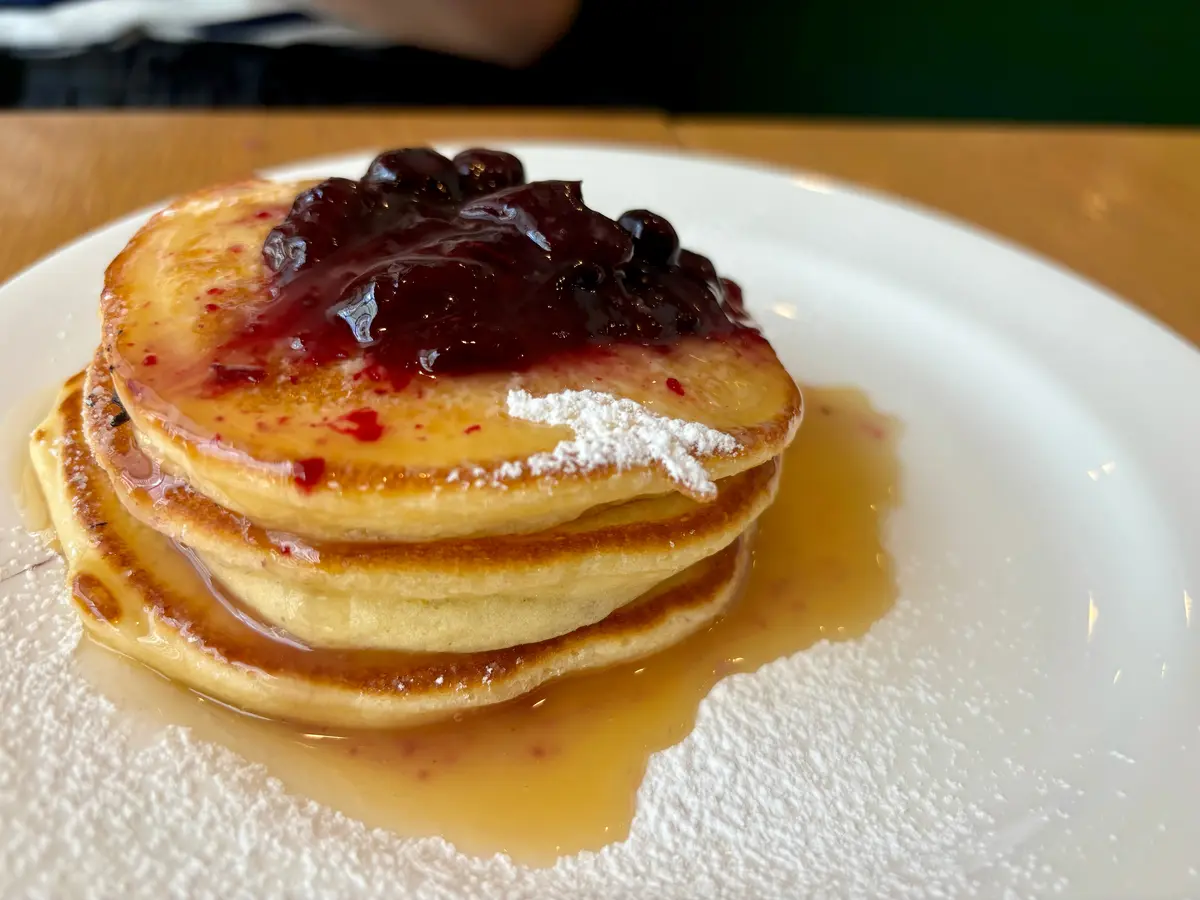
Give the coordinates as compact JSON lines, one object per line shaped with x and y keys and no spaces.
{"x":66,"y":25}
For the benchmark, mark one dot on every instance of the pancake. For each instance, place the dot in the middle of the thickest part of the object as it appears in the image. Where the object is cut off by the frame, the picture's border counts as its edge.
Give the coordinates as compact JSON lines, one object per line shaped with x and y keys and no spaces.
{"x":140,"y":594}
{"x":366,"y":453}
{"x":333,"y":453}
{"x":452,"y":595}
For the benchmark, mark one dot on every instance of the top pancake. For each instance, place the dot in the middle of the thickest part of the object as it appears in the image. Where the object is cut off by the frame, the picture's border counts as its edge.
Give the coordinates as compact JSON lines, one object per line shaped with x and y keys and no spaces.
{"x":450,"y":461}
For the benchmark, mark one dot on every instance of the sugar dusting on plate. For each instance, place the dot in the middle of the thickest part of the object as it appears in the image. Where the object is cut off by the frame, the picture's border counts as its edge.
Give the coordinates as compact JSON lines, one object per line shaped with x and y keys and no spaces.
{"x":829,"y":774}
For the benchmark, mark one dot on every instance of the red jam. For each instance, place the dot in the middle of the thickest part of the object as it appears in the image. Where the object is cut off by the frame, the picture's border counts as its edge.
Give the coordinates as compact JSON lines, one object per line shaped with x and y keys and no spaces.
{"x":438,"y":266}
{"x":307,"y":472}
{"x":360,"y":424}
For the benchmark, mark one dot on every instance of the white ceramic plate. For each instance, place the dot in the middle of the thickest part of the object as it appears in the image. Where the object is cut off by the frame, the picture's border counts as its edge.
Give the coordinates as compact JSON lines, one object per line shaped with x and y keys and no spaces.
{"x":1026,"y":722}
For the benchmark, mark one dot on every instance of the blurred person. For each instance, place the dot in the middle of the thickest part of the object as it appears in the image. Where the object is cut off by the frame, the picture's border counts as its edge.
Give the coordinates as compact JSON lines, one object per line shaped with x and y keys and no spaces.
{"x":64,"y":53}
{"x":1027,"y":60}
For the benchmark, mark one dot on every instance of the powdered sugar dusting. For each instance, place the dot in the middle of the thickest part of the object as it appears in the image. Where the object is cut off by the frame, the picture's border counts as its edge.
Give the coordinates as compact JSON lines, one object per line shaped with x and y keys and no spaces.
{"x":614,"y":431}
{"x":835,"y":773}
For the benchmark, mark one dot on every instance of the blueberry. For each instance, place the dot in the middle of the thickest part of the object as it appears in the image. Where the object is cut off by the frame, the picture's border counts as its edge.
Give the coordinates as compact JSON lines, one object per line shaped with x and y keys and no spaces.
{"x":416,"y":170}
{"x":700,"y":266}
{"x":553,"y":216}
{"x":484,"y":171}
{"x":284,"y":251}
{"x":310,"y":231}
{"x":733,"y":303}
{"x":654,"y":238}
{"x":588,"y":276}
{"x":330,"y":194}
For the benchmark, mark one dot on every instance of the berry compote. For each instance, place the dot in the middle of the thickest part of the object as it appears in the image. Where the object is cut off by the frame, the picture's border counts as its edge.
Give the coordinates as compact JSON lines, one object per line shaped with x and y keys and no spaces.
{"x":438,"y":266}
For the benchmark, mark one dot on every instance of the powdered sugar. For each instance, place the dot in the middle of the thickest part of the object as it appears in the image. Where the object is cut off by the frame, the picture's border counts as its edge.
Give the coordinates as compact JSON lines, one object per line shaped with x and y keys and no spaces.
{"x":835,"y":773}
{"x":614,"y":431}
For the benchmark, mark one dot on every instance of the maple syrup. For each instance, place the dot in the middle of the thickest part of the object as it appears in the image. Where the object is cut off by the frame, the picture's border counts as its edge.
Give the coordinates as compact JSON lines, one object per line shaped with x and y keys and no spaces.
{"x":23,"y":484}
{"x":558,"y":771}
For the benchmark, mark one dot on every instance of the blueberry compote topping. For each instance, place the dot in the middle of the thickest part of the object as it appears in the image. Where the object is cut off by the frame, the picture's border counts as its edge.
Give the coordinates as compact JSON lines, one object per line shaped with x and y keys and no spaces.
{"x":441,"y":266}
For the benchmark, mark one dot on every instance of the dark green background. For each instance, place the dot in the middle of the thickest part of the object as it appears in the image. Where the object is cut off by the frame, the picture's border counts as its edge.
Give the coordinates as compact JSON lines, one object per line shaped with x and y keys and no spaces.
{"x":1061,"y":61}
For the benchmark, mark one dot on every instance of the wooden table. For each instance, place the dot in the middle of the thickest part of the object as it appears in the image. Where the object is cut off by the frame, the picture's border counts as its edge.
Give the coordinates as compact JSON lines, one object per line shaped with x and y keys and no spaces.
{"x":1119,"y":206}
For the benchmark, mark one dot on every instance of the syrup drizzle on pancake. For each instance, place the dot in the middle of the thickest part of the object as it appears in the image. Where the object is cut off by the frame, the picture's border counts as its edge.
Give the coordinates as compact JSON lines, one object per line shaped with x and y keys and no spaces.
{"x":557,"y":771}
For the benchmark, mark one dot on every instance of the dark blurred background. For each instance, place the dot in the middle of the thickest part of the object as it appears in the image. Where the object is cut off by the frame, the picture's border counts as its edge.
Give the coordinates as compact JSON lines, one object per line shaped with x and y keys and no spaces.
{"x":1025,"y":60}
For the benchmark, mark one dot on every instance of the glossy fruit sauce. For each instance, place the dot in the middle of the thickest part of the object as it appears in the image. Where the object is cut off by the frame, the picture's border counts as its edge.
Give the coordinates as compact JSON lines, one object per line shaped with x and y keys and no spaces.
{"x":437,"y":266}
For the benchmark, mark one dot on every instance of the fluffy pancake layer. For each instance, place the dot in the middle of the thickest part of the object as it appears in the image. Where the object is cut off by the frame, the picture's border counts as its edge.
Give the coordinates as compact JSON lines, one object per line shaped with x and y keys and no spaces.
{"x":448,"y":461}
{"x":454,"y":595}
{"x":139,"y":593}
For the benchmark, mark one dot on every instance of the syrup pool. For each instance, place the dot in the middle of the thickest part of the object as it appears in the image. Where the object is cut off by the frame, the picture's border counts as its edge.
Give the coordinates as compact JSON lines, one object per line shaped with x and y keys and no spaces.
{"x":23,"y":482}
{"x":558,"y":771}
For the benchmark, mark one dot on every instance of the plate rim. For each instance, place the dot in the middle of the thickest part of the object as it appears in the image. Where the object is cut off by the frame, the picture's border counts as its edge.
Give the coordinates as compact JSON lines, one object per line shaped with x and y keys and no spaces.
{"x":1150,"y":338}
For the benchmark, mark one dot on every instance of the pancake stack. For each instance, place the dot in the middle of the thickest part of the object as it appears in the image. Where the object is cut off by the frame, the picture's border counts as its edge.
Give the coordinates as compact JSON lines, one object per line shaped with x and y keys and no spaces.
{"x":329,"y":542}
